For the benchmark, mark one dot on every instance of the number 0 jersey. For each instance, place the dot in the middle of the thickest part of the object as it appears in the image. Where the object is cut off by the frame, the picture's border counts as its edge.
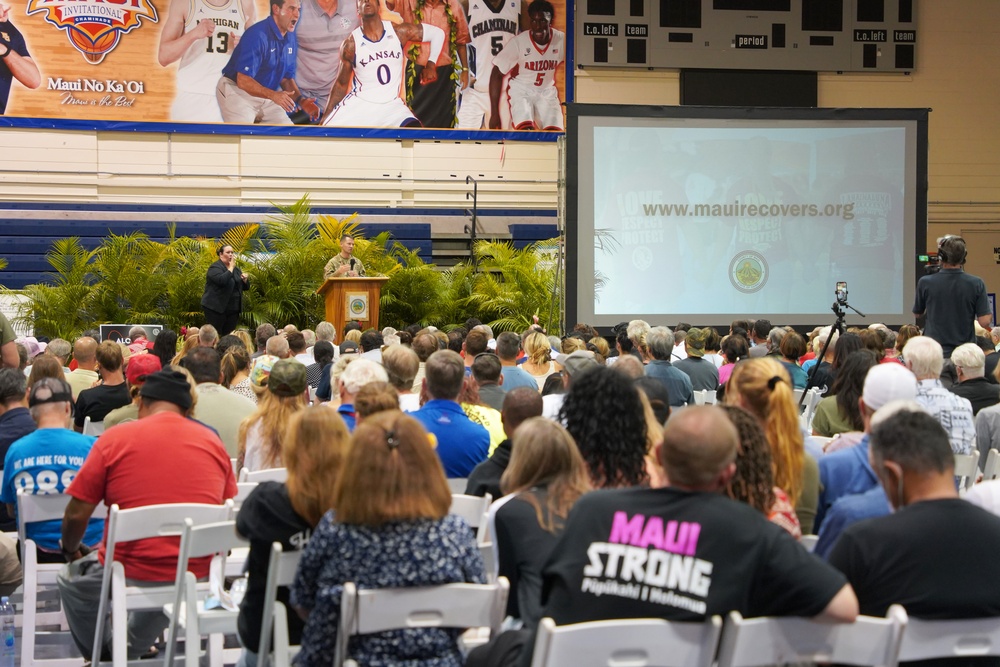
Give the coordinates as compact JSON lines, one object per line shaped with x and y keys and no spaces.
{"x":201,"y":65}
{"x":378,"y":66}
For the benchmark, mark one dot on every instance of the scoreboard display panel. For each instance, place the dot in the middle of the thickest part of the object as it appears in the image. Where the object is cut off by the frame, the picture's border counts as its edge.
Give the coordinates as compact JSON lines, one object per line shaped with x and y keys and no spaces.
{"x":810,"y":35}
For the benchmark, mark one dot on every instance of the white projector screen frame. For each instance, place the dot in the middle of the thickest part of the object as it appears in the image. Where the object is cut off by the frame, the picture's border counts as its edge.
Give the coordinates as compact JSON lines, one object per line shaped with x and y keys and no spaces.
{"x":709,"y":214}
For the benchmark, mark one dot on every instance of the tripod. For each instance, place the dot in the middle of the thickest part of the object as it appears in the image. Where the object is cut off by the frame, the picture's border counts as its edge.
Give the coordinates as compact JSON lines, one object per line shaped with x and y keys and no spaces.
{"x":838,"y":328}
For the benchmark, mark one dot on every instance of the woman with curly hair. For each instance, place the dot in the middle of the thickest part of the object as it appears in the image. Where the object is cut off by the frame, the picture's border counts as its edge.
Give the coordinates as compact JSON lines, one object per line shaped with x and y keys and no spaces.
{"x":539,"y":364}
{"x":545,"y":476}
{"x":753,"y":482}
{"x":605,"y":416}
{"x":263,"y":432}
{"x":762,"y":387}
{"x":839,"y":412}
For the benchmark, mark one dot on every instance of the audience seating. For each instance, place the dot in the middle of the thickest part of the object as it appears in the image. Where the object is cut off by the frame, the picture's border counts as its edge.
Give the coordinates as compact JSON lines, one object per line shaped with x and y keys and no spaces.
{"x":243,"y":489}
{"x":92,"y":427}
{"x":458,"y":484}
{"x":809,"y":542}
{"x":33,"y":508}
{"x":188,"y":608}
{"x":757,"y":642}
{"x":992,"y":468}
{"x":813,"y":397}
{"x":635,"y":642}
{"x":140,"y":523}
{"x":962,"y":639}
{"x":967,"y":469}
{"x":473,"y":509}
{"x":366,"y":611}
{"x":281,"y":567}
{"x":705,"y":397}
{"x":269,"y":475}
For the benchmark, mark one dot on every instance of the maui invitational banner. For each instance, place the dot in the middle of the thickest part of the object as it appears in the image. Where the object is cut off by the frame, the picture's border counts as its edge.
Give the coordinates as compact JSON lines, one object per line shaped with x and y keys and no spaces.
{"x":162,"y":61}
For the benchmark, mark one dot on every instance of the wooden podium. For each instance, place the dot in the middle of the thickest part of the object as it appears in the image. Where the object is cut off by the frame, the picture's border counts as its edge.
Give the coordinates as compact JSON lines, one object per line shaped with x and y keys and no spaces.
{"x":354,"y":299}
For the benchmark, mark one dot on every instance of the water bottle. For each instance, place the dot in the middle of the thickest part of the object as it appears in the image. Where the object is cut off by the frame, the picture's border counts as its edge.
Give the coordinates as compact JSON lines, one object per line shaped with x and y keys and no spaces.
{"x":7,"y":650}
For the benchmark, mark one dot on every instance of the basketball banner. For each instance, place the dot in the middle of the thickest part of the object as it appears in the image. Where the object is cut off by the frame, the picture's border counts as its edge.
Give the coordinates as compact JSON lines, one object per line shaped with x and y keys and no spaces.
{"x":501,"y":63}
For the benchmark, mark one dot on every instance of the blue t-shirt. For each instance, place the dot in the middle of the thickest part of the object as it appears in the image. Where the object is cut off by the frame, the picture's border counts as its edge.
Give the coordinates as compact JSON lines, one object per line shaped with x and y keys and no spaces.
{"x":264,"y":55}
{"x":462,"y":444}
{"x":46,"y":461}
{"x":13,"y":37}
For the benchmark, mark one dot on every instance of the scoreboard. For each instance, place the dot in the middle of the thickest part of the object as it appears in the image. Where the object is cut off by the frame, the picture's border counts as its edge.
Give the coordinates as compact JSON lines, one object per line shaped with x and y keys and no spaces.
{"x":809,"y":35}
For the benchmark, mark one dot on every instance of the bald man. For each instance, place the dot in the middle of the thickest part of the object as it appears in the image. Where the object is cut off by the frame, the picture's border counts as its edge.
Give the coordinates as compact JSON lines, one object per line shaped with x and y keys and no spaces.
{"x":85,"y":375}
{"x":686,"y":552}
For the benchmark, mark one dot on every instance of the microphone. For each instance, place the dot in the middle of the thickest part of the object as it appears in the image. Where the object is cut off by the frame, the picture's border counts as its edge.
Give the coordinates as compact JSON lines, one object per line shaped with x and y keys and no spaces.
{"x":352,"y":263}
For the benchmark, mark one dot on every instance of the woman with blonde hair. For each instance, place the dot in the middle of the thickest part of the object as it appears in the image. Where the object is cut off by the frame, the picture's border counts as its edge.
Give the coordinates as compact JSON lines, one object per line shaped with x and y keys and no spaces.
{"x":392,"y":503}
{"x":314,"y":452}
{"x":190,"y":342}
{"x":262,"y":433}
{"x":762,"y":387}
{"x":539,"y":364}
{"x":235,"y":367}
{"x":544,"y":478}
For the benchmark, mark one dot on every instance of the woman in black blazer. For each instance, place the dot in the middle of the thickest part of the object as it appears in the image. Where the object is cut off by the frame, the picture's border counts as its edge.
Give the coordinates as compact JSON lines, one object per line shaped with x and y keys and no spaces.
{"x":223,"y":297}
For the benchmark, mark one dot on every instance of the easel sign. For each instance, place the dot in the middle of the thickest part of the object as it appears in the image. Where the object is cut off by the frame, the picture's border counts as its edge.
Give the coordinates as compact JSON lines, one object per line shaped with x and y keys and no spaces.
{"x":357,"y":306}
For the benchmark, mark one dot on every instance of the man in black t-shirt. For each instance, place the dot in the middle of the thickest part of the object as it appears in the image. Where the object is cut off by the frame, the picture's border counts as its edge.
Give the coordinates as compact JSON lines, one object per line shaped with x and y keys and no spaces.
{"x":686,"y":552}
{"x":930,"y":555}
{"x":951,"y":299}
{"x":111,"y":393}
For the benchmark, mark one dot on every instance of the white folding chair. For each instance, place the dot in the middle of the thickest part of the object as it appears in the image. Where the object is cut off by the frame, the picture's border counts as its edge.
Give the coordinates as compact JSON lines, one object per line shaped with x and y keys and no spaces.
{"x":268,"y":475}
{"x":458,"y":484}
{"x":243,"y":489}
{"x":474,"y":510}
{"x":809,"y":542}
{"x":705,"y":397}
{"x":188,"y":608}
{"x":967,"y":469}
{"x":366,"y":611}
{"x":92,"y":427}
{"x":130,"y":525}
{"x":992,"y":468}
{"x":756,"y":642}
{"x":39,"y":576}
{"x":813,"y":397}
{"x":636,"y":642}
{"x":964,"y":638}
{"x":281,"y":567}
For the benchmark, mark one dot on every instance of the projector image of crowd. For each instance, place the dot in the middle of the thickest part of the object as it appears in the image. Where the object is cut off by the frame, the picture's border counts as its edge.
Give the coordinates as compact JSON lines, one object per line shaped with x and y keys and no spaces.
{"x":663,"y":472}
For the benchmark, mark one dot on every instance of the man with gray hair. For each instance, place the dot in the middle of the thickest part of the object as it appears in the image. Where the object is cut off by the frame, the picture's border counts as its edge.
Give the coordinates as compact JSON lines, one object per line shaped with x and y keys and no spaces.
{"x":15,"y":420}
{"x":45,"y":461}
{"x":263,"y":334}
{"x":928,"y":555}
{"x":277,"y":346}
{"x":328,"y":332}
{"x":356,"y":375}
{"x":970,"y":367}
{"x":60,"y":349}
{"x":925,"y":358}
{"x":660,"y":341}
{"x":401,"y":364}
{"x":637,"y":332}
{"x":208,"y":336}
{"x":461,"y":443}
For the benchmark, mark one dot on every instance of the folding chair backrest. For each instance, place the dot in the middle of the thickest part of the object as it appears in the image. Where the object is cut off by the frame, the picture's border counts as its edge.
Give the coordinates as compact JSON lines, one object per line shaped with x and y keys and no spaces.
{"x":471,"y":508}
{"x":243,"y":489}
{"x":140,"y":523}
{"x":458,"y":484}
{"x":992,"y":468}
{"x":366,"y":611}
{"x":966,"y":638}
{"x":755,"y":642}
{"x":267,"y":475}
{"x":281,"y":567}
{"x":91,"y":427}
{"x":35,"y":507}
{"x":635,"y":642}
{"x":967,"y":468}
{"x":809,"y":542}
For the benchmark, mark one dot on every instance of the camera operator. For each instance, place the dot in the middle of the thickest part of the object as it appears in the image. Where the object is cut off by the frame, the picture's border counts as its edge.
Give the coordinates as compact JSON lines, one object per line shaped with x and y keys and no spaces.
{"x":950,"y":300}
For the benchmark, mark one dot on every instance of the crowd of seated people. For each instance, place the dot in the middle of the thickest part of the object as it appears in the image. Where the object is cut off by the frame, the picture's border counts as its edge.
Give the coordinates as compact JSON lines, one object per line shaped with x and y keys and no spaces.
{"x":605,"y":474}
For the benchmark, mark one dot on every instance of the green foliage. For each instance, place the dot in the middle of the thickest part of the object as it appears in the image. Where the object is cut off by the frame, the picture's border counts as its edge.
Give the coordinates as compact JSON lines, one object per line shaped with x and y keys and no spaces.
{"x":133,"y":279}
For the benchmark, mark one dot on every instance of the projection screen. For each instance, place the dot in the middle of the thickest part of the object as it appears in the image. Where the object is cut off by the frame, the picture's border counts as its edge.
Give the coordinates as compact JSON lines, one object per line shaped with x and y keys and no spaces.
{"x":707,"y":214}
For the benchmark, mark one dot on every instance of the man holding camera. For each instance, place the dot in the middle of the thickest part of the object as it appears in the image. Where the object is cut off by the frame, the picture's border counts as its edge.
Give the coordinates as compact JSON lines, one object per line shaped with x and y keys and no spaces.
{"x":950,"y":300}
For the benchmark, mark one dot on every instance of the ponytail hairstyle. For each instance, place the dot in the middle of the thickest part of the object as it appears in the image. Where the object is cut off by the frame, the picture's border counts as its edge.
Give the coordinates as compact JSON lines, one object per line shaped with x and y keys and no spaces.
{"x":763,"y":387}
{"x":235,"y":360}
